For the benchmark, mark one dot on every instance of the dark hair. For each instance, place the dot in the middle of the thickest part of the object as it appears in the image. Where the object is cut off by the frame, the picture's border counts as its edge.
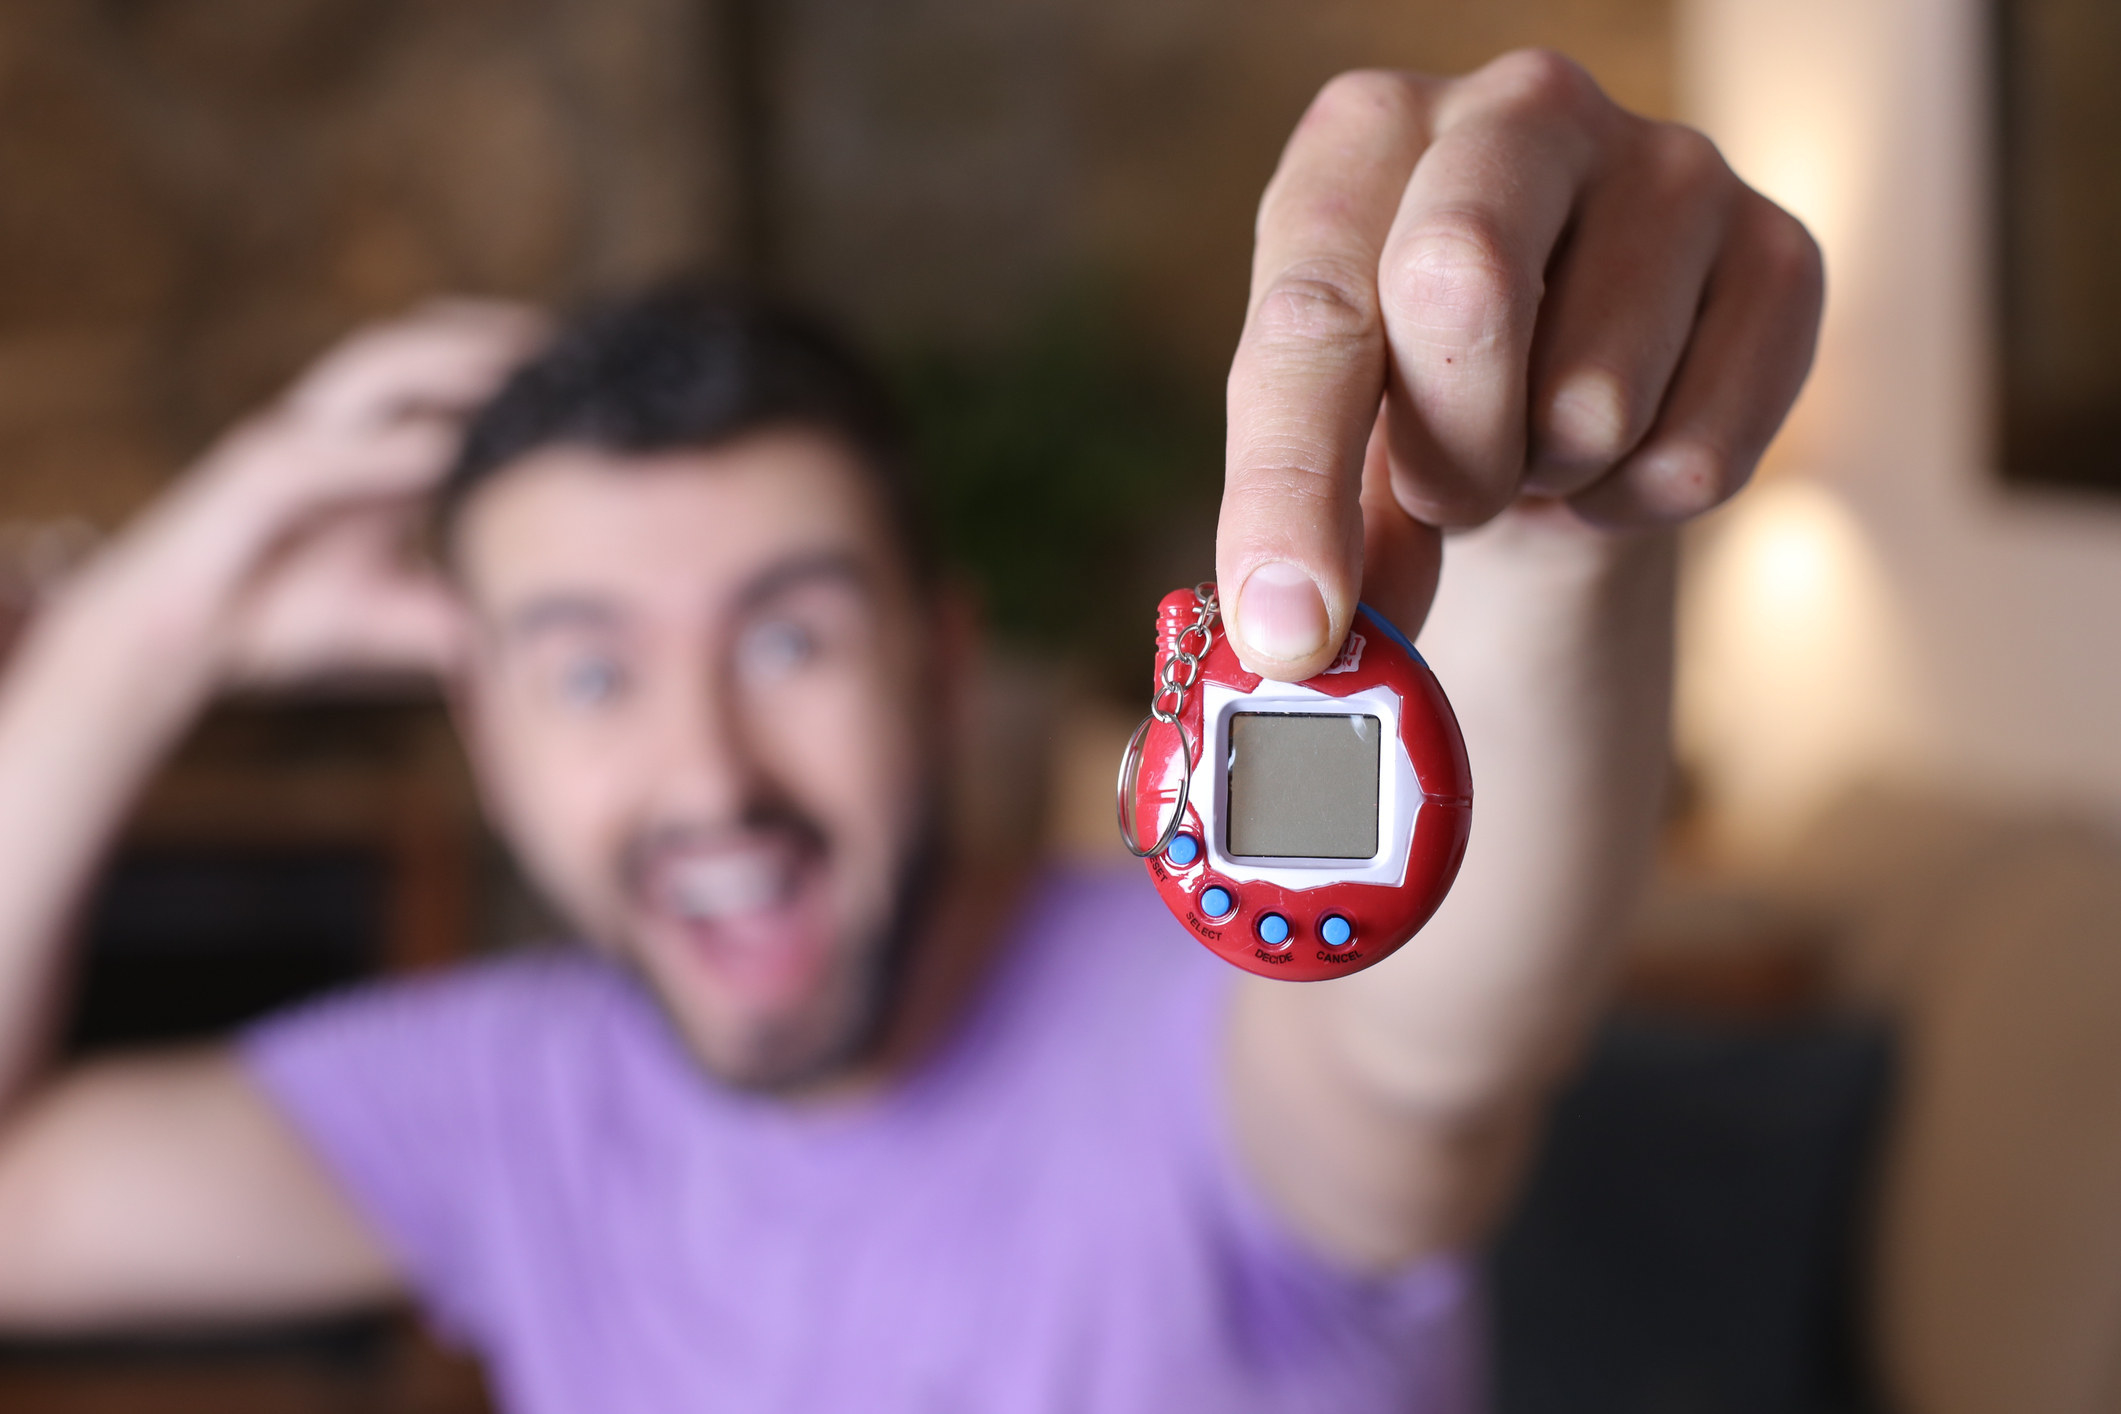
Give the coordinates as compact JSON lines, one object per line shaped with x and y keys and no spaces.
{"x":691,"y":366}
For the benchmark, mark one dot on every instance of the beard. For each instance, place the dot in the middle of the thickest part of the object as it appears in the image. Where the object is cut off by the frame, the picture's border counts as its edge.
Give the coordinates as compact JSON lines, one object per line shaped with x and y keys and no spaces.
{"x":849,"y":1017}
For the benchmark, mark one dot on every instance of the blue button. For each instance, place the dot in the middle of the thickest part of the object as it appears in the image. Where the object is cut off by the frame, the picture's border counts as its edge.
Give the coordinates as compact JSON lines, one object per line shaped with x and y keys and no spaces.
{"x":1216,"y":903}
{"x":1182,"y":850}
{"x":1273,"y":929}
{"x":1335,"y":930}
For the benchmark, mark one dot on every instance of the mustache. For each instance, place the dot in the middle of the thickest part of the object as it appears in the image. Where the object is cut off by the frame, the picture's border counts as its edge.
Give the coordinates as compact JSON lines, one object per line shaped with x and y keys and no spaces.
{"x":776,"y":819}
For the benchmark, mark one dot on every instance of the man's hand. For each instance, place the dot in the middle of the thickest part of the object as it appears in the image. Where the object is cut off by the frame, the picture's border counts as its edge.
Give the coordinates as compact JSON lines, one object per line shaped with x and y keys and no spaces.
{"x":291,"y":534}
{"x":1496,"y":285}
{"x":1470,"y":295}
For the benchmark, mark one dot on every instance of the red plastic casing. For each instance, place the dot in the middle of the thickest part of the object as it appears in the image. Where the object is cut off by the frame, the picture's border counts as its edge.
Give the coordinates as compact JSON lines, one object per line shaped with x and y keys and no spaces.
{"x":1383,"y":916}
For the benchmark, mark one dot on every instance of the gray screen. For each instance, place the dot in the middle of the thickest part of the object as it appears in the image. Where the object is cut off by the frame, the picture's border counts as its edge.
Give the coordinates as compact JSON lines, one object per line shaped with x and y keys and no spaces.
{"x":1303,"y":786}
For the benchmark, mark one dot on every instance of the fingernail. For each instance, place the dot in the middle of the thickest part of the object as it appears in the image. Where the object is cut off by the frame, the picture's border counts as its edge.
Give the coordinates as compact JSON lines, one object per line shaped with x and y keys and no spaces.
{"x":1280,"y":613}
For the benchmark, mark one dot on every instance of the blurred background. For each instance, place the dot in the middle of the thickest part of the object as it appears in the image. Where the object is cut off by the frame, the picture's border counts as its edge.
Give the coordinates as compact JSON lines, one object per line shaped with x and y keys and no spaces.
{"x":1852,"y":1137}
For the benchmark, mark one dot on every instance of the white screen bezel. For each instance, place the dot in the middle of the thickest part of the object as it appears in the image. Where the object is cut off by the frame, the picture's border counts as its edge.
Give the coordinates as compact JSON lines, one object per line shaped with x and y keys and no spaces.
{"x":1398,"y":789}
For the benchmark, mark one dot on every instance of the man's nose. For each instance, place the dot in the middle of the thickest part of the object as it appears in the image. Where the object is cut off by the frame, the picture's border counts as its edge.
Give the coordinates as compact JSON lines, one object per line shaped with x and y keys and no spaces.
{"x":699,"y":763}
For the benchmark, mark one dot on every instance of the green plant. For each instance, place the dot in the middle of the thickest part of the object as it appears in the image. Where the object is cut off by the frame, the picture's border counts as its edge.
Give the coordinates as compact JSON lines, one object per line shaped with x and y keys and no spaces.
{"x":1064,"y":470}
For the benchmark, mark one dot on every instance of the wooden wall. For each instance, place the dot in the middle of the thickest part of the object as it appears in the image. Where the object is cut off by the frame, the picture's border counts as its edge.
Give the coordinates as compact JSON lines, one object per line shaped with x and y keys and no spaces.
{"x":196,"y":194}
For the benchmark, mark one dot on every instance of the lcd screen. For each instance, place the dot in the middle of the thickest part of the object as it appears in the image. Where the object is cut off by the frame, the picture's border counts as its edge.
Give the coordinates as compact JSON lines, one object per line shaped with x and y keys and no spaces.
{"x":1303,"y":786}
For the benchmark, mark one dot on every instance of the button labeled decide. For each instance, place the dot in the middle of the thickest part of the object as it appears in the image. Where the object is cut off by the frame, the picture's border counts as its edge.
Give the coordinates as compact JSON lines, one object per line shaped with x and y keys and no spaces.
{"x":1273,"y":930}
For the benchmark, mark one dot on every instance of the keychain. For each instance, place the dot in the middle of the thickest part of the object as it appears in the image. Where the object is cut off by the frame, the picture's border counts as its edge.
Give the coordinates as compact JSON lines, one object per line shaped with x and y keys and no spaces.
{"x":1301,"y":830}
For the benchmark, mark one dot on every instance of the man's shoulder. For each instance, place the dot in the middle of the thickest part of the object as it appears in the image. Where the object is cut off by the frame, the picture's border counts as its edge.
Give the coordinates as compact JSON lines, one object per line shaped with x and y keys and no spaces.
{"x":531,"y":978}
{"x":517,"y":1002}
{"x":1100,"y":956}
{"x":1104,"y":922}
{"x":1115,"y":904}
{"x":535,"y":976}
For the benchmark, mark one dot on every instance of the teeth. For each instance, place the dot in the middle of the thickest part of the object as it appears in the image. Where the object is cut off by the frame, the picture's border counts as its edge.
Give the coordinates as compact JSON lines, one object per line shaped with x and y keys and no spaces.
{"x":727,"y":885}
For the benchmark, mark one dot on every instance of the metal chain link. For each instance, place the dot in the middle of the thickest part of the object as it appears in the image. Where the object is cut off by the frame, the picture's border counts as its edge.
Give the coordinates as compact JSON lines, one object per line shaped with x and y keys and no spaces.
{"x":1181,"y":670}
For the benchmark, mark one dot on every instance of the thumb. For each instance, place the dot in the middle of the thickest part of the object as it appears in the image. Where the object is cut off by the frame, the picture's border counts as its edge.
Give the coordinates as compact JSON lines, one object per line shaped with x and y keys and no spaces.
{"x":413,"y":624}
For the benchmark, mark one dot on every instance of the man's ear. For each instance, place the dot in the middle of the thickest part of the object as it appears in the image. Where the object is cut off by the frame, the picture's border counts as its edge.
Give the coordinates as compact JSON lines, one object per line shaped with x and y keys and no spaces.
{"x":958,"y":649}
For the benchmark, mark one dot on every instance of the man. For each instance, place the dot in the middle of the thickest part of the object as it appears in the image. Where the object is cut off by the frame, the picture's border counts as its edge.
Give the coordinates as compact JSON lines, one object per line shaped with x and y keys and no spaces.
{"x":811,"y":1123}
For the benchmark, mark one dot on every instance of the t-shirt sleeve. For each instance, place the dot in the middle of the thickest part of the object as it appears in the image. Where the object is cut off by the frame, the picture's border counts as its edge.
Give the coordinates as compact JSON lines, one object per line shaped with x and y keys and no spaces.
{"x":1312,"y":1322}
{"x":396,"y":1087}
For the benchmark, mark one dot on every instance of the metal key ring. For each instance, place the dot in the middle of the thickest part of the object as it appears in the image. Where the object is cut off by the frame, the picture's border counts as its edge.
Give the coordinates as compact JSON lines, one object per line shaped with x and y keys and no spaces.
{"x":1130,"y":766}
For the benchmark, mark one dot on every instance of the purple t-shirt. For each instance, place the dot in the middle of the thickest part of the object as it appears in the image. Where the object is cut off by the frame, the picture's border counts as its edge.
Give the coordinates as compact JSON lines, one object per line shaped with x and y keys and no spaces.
{"x":1047,"y":1217}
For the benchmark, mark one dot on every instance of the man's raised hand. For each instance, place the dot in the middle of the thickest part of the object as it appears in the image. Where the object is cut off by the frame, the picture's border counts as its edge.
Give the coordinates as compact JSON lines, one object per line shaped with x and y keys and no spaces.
{"x":1469,"y":290}
{"x":293,"y":527}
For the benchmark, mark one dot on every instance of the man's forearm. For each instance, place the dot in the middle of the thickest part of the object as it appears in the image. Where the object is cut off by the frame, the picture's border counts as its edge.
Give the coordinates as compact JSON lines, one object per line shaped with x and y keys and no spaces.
{"x":1410,"y":1090}
{"x":103,"y":682}
{"x":1555,"y":644}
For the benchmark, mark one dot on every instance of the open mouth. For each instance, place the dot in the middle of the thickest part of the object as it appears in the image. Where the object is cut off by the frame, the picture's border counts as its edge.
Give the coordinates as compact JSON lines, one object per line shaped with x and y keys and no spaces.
{"x":750,"y":911}
{"x":728,"y":884}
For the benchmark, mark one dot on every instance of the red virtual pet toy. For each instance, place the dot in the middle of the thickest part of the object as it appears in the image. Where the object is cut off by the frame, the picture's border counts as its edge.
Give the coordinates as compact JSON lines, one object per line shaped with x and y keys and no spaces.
{"x":1300,"y":830}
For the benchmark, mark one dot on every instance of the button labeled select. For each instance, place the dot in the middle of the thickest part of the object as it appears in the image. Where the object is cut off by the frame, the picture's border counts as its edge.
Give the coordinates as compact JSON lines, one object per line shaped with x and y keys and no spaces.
{"x":1216,"y":901}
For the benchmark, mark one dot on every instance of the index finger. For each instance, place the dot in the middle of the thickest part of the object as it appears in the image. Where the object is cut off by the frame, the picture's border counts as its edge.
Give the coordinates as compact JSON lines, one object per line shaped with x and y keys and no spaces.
{"x":440,"y":359}
{"x":1309,"y":374}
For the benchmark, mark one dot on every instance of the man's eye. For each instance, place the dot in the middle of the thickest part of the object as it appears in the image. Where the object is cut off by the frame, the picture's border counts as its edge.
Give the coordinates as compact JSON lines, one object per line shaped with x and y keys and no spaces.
{"x":776,"y":649}
{"x":591,"y":682}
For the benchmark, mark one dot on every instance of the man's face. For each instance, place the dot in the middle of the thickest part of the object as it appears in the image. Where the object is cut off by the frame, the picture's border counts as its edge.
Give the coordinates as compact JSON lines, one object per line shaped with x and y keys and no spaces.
{"x":702,"y":710}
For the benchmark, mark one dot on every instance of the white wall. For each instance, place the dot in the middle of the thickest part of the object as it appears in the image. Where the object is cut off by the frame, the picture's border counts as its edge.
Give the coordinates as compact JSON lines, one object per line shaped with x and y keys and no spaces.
{"x":1882,"y":605}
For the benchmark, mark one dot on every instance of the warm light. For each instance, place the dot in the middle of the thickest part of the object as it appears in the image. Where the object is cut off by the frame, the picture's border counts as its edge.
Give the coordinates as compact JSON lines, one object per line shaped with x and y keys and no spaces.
{"x":1800,"y":553}
{"x":1784,"y":106}
{"x":1791,"y":682}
